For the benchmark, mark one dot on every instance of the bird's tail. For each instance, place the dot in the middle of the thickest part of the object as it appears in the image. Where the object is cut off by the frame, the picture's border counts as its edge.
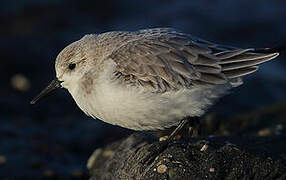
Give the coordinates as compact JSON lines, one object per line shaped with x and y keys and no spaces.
{"x":277,"y":49}
{"x":240,"y":62}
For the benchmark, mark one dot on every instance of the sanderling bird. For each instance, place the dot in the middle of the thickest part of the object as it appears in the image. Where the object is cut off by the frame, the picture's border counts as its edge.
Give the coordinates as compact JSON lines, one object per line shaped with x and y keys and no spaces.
{"x":151,"y":79}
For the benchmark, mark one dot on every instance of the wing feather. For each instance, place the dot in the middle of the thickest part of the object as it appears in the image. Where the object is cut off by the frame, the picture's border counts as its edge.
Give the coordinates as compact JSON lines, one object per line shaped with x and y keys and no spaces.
{"x":163,"y":59}
{"x":240,"y":72}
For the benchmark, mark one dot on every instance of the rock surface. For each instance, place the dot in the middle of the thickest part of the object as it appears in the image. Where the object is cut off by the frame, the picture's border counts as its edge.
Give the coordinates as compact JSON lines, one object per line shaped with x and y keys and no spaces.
{"x":232,"y":157}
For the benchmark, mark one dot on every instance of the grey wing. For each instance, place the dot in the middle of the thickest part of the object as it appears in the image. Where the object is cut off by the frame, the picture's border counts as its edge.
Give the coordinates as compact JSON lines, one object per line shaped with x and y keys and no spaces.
{"x":163,"y":59}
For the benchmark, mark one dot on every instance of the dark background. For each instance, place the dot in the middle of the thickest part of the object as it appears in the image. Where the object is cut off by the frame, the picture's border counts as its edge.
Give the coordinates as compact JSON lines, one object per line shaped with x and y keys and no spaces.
{"x":54,"y":138}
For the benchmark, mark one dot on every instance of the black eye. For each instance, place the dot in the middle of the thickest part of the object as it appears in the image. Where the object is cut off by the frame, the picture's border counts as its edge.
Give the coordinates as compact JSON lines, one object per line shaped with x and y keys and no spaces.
{"x":72,"y":66}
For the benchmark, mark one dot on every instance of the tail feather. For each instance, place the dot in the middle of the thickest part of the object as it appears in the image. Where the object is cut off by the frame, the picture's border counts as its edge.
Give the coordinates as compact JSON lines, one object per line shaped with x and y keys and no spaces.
{"x":240,"y":62}
{"x":230,"y":53}
{"x":277,"y":49}
{"x":248,"y":56}
{"x":240,"y":72}
{"x":248,"y":62}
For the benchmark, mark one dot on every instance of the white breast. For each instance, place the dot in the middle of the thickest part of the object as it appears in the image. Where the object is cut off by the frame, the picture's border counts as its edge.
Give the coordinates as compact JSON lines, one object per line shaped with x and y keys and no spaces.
{"x":137,"y":109}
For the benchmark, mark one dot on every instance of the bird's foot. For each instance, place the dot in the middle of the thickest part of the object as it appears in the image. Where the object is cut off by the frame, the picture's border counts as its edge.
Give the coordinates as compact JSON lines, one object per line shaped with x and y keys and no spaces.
{"x":158,"y":147}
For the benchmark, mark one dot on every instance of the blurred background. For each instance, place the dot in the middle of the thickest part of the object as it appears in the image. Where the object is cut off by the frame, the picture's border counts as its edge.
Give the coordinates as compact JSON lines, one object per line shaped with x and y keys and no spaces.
{"x":53,"y":139}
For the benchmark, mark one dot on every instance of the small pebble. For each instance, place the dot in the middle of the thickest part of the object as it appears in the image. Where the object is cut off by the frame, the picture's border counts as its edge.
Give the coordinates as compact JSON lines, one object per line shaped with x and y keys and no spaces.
{"x":177,"y":137}
{"x":162,"y":168}
{"x":264,"y":132}
{"x":20,"y":82}
{"x":92,"y":159}
{"x":212,"y":169}
{"x":204,"y":148}
{"x":163,"y":138}
{"x":176,"y":162}
{"x":170,"y":156}
{"x":3,"y":160}
{"x":166,"y":159}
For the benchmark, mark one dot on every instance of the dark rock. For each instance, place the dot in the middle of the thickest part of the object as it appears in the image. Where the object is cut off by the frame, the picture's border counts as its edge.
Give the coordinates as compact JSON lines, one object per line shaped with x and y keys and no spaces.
{"x":236,"y":157}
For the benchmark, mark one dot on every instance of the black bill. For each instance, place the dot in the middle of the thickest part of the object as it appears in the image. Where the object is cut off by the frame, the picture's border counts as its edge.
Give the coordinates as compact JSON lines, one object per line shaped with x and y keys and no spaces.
{"x":55,"y":84}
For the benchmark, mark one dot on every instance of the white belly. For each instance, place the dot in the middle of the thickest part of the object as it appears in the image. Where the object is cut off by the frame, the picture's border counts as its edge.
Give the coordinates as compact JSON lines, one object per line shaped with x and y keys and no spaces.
{"x":140,"y":110}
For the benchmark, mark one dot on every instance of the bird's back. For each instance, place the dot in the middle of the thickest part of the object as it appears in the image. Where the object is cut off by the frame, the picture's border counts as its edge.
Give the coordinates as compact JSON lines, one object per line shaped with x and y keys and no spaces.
{"x":164,"y":59}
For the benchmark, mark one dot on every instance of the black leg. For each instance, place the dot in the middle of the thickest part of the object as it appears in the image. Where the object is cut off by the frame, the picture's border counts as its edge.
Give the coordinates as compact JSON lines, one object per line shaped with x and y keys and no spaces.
{"x":159,"y":147}
{"x":192,"y":129}
{"x":181,"y":126}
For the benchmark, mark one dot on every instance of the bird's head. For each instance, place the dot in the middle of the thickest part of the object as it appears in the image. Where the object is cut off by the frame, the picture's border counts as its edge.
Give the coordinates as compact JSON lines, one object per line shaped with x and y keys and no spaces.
{"x":71,"y":65}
